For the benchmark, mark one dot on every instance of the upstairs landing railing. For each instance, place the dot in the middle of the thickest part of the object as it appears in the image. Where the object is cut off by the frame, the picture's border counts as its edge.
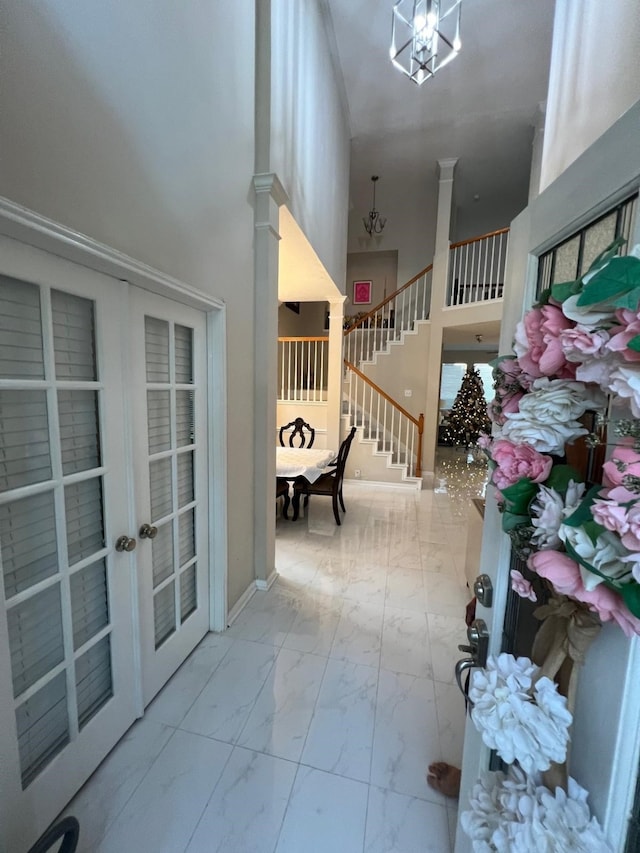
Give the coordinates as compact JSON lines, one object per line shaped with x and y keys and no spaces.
{"x":384,"y":420}
{"x":476,"y":269}
{"x":396,"y":314}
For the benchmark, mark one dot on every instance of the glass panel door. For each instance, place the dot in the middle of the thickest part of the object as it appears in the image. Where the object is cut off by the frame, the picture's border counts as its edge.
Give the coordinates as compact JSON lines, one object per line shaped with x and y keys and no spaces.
{"x":66,"y":621}
{"x":171,"y":482}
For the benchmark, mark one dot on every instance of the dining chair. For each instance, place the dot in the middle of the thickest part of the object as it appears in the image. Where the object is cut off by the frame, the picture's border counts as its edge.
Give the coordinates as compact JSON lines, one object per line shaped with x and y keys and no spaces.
{"x":67,"y":829}
{"x":329,"y":484}
{"x":282,"y":491}
{"x":302,"y":430}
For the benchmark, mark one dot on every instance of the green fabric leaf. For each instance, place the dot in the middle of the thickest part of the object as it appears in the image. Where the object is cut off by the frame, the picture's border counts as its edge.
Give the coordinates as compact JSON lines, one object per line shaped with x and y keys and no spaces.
{"x":560,"y":476}
{"x":608,"y":253}
{"x":510,"y":520}
{"x":618,"y":277}
{"x":518,"y":496}
{"x":628,"y":300}
{"x":593,"y":530}
{"x":634,"y":344}
{"x":543,"y":299}
{"x":565,"y":289}
{"x":630,"y":593}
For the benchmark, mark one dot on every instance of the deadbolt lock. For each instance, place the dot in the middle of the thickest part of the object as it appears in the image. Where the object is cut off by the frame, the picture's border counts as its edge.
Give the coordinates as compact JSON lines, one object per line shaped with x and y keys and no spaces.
{"x":483,"y":590}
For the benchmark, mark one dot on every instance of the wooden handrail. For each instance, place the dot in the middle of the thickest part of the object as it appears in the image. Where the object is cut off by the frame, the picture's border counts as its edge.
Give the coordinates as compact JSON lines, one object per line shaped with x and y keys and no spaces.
{"x":311,"y":338}
{"x":389,"y":399}
{"x":375,"y":310}
{"x":477,"y":239}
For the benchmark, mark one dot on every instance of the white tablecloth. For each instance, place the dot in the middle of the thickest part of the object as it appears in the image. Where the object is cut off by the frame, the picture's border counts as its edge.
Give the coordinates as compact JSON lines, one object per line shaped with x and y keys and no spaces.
{"x":292,"y":462}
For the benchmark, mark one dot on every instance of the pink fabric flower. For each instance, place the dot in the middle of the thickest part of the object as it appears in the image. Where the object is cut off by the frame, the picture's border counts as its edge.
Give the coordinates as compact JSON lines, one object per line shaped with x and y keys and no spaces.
{"x":624,"y":461}
{"x":580,"y":341}
{"x":521,"y":586}
{"x":515,"y":461}
{"x":611,"y":516}
{"x":484,"y":441}
{"x":564,"y":575}
{"x":629,"y":327}
{"x":538,"y":345}
{"x":631,"y":537}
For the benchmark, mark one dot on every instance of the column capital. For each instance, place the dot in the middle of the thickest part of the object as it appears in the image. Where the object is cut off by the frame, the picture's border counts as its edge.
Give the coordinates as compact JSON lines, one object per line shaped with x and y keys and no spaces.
{"x":269,"y":182}
{"x":446,"y":168}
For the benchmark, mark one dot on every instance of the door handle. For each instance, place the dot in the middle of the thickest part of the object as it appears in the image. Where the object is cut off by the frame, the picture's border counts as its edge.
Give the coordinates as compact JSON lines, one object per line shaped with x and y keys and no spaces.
{"x":125,"y":543}
{"x":148,"y":531}
{"x":478,"y":648}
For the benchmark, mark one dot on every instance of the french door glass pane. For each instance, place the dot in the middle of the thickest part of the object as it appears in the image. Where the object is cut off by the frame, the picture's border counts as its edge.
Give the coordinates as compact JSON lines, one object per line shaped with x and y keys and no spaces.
{"x":566,"y":265}
{"x":35,"y":637}
{"x":185,"y":478}
{"x":164,"y":613}
{"x":85,"y":528}
{"x":184,"y":354}
{"x":20,"y":330}
{"x":186,"y":536}
{"x":94,"y":684}
{"x":188,"y":592}
{"x":184,"y":418}
{"x":596,"y":239}
{"x":28,"y":544}
{"x":156,"y":333}
{"x":79,"y":430}
{"x":162,"y":553}
{"x":73,"y":336}
{"x":89,"y":602}
{"x":25,"y":453}
{"x":43,"y":727}
{"x":160,"y":488}
{"x":159,"y":418}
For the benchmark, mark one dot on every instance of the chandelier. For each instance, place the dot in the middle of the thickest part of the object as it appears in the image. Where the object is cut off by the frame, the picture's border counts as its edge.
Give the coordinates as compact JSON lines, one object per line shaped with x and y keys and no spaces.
{"x":425,"y":36}
{"x":374,"y":223}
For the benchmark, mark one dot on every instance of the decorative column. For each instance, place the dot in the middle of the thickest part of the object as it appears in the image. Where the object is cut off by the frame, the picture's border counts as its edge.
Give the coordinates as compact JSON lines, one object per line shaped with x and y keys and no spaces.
{"x":269,"y":196}
{"x":335,"y":370}
{"x":439,"y":278}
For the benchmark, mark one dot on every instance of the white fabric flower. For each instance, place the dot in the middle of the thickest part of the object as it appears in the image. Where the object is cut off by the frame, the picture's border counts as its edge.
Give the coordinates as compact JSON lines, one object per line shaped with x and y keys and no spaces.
{"x":549,"y":510}
{"x":524,"y":721}
{"x":585,"y":315}
{"x":625,"y":382}
{"x":560,"y":400}
{"x":521,"y":428}
{"x":605,"y":555}
{"x":512,"y":814}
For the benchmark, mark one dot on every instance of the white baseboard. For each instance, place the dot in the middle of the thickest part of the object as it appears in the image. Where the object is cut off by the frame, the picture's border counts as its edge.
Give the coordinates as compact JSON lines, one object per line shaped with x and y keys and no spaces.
{"x":241,"y":603}
{"x":428,"y":479}
{"x":266,"y":585}
{"x":383,"y":484}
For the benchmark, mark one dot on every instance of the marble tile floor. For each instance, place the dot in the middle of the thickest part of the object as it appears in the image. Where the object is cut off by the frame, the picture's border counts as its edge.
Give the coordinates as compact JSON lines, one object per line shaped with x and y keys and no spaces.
{"x":307,"y":727}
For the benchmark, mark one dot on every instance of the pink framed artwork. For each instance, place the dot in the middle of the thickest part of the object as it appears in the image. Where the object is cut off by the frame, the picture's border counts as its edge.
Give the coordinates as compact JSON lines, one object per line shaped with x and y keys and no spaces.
{"x":361,"y":293}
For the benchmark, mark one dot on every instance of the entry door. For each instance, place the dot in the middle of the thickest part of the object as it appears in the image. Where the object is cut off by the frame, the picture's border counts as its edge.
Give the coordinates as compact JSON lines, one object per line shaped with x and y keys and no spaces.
{"x":66,"y":649}
{"x":168,"y":371}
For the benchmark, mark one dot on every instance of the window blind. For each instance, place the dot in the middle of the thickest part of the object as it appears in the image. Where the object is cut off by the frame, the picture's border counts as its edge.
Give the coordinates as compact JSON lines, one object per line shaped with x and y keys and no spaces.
{"x":94,"y":684}
{"x":188,"y":592}
{"x":79,"y":430}
{"x":184,"y":354}
{"x":83,"y":510}
{"x":160,"y":488}
{"x":184,"y":418}
{"x":185,"y":478}
{"x":162,"y":553}
{"x":73,"y":336}
{"x":28,"y":543}
{"x":186,"y":536}
{"x":43,"y":727}
{"x":89,"y":602}
{"x":159,"y":418}
{"x":25,"y":456}
{"x":20,"y":330}
{"x":35,"y":637}
{"x":164,"y":613}
{"x":156,"y":341}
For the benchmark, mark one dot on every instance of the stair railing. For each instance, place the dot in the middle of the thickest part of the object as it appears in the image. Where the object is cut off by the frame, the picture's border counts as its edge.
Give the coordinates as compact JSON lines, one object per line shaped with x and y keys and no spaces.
{"x":396,"y":314}
{"x":384,"y":420}
{"x":476,"y":268}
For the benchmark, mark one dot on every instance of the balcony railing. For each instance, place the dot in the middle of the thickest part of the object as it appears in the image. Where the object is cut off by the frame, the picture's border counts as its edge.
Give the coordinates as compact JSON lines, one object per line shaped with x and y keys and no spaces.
{"x":302,"y":369}
{"x":476,"y":269}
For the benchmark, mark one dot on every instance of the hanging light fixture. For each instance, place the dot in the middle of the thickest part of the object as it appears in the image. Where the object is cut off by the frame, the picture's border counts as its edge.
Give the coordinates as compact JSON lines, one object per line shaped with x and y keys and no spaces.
{"x":374,"y":223}
{"x":425,"y":36}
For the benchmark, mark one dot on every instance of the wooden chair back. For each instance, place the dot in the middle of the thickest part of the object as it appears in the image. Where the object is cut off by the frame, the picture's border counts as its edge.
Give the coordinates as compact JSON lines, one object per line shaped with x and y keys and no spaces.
{"x":303,"y":430}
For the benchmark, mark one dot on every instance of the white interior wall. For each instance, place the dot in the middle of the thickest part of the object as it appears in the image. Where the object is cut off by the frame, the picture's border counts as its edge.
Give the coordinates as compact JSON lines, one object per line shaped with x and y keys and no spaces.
{"x":309,"y":130}
{"x":594,"y":77}
{"x":114,"y":122}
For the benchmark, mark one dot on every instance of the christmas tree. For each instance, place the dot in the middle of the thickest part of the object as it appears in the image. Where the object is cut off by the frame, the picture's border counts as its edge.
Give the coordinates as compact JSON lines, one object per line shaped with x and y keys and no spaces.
{"x":468,"y":416}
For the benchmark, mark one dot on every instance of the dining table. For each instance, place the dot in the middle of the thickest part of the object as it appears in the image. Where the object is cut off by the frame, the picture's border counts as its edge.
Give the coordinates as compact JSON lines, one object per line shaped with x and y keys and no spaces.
{"x":293,"y":463}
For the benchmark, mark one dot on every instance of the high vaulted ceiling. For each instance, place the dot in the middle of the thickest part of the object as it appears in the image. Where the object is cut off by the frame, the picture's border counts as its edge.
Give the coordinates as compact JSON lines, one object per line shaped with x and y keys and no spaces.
{"x":481,"y":108}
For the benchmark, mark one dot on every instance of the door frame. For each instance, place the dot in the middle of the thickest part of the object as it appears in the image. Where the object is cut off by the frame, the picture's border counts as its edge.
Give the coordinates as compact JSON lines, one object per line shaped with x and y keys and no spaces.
{"x":36,"y":230}
{"x":605,"y":174}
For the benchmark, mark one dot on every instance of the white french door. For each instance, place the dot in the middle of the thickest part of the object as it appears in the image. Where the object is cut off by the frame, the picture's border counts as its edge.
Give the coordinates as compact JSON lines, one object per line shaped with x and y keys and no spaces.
{"x":168,"y":369}
{"x":66,"y":620}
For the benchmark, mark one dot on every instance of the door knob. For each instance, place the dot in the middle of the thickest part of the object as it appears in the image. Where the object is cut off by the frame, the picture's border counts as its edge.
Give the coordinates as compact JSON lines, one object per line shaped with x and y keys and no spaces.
{"x":483,"y":590}
{"x":148,"y":531}
{"x":125,"y":543}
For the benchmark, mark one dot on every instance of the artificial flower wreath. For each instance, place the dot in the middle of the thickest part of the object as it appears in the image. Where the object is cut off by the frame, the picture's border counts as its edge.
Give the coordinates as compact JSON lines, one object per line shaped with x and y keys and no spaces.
{"x":576,"y":356}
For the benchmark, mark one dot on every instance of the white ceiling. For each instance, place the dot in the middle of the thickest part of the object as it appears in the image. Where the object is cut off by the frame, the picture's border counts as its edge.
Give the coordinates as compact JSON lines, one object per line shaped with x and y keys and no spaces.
{"x":481,"y":108}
